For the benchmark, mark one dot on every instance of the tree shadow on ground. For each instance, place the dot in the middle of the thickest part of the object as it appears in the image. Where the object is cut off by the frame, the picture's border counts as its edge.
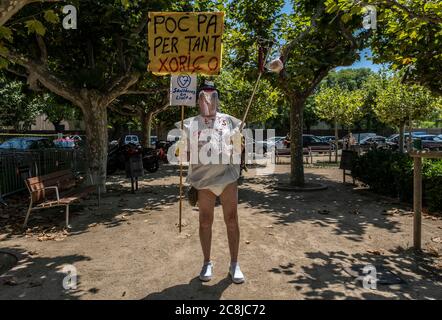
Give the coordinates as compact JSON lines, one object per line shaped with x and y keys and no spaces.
{"x":37,"y":277}
{"x":116,"y":206}
{"x":325,"y":277}
{"x":194,"y":290}
{"x":338,"y":207}
{"x":165,"y":171}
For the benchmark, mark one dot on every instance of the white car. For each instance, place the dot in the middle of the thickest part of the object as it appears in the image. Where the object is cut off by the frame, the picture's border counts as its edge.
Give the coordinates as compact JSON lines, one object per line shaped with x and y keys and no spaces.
{"x":279,"y":143}
{"x":274,"y":142}
{"x":131,"y":138}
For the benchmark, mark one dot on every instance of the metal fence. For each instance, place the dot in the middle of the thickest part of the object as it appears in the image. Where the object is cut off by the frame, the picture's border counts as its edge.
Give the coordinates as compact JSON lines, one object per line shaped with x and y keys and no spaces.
{"x":15,"y":166}
{"x":7,"y":136}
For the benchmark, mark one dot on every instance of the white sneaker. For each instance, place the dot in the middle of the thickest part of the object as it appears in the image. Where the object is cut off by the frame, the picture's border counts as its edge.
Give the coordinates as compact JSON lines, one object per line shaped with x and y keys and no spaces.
{"x":206,"y":272}
{"x":236,"y":274}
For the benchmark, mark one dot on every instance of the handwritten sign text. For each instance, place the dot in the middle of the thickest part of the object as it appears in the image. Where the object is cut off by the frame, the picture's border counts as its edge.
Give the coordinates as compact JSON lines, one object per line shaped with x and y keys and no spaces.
{"x":185,"y":42}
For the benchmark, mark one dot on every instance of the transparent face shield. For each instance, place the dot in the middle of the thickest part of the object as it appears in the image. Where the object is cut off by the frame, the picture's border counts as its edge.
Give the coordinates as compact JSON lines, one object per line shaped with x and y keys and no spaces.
{"x":208,"y":101}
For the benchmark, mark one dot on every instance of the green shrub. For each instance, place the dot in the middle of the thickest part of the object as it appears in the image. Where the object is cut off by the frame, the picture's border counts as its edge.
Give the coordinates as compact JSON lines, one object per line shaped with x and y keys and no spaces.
{"x":432,"y":184}
{"x":391,"y":173}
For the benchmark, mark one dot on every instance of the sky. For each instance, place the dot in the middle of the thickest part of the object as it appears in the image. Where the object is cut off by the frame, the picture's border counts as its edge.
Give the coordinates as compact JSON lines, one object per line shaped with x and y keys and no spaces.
{"x":364,"y":61}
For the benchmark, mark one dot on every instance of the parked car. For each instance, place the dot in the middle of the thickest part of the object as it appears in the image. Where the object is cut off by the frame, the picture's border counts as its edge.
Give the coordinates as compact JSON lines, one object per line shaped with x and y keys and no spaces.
{"x":395,"y":137}
{"x":274,"y":142}
{"x":428,"y":137}
{"x":131,"y":139}
{"x":162,"y":148}
{"x":327,"y":138}
{"x":358,"y":137}
{"x":27,"y":143}
{"x":67,"y":143}
{"x":314,"y":141}
{"x":308,"y":140}
{"x":373,"y":142}
{"x":430,"y":142}
{"x":393,"y":140}
{"x":153,"y":140}
{"x":419,"y":133}
{"x":120,"y":153}
{"x":438,"y":138}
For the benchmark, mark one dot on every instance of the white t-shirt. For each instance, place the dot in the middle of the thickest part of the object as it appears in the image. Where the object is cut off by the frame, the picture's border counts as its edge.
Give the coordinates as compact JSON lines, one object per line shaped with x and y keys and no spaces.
{"x":211,"y":138}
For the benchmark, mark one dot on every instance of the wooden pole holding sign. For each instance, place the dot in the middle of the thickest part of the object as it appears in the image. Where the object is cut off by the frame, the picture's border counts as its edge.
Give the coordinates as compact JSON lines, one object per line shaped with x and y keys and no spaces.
{"x":182,"y":93}
{"x":181,"y":175}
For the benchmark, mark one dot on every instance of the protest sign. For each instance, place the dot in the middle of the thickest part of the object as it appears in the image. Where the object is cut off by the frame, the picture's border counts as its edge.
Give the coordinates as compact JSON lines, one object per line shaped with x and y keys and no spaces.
{"x":185,"y":42}
{"x":183,"y":90}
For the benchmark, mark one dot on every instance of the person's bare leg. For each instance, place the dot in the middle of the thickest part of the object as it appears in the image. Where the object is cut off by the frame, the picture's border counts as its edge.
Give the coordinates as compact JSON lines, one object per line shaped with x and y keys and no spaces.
{"x":206,"y":204}
{"x":229,"y":201}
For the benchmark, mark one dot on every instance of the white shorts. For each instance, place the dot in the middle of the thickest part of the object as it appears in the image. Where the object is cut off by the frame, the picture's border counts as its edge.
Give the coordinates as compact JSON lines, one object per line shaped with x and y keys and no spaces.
{"x":218,"y":189}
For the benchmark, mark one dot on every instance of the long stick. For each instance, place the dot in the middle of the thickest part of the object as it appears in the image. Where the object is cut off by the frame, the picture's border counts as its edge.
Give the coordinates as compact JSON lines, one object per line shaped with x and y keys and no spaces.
{"x":250,"y":102}
{"x":181,"y":172}
{"x":253,"y":94}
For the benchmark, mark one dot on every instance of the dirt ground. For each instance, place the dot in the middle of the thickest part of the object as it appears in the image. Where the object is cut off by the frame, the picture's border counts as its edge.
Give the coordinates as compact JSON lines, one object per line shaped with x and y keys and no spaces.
{"x":293,"y":245}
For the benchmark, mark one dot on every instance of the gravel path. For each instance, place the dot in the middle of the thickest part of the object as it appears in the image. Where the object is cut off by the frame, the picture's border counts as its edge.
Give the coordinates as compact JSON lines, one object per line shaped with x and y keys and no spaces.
{"x":293,"y":245}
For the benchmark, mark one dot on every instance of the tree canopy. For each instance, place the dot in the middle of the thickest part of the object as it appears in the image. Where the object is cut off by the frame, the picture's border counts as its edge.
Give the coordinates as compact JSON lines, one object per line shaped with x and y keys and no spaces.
{"x":236,"y":91}
{"x":408,"y":36}
{"x":18,"y":105}
{"x":398,"y":103}
{"x":339,"y":105}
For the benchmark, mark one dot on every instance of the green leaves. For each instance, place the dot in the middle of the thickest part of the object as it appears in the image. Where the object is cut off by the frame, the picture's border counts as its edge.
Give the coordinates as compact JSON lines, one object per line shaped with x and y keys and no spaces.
{"x":236,"y":90}
{"x":3,"y":63}
{"x":406,"y":29}
{"x":339,"y":105}
{"x":6,"y":33}
{"x":398,"y":103}
{"x":51,"y":17}
{"x":3,"y":50}
{"x":35,"y":26}
{"x":125,"y":3}
{"x":346,"y":17}
{"x":18,"y":107}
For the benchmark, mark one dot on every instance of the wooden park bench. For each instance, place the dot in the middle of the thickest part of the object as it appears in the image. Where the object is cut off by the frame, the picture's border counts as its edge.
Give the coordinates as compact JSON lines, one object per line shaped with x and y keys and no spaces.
{"x":57,"y":189}
{"x":307,"y":153}
{"x":281,"y":154}
{"x":319,"y":150}
{"x":286,"y":154}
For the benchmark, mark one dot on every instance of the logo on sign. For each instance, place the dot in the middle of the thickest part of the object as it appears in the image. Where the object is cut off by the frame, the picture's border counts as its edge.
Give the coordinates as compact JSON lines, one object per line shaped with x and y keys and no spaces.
{"x":183,"y":90}
{"x":184,"y":81}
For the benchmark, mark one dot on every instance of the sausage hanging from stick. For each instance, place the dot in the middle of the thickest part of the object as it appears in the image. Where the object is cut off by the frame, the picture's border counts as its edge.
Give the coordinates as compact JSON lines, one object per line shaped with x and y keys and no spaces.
{"x":275,"y":66}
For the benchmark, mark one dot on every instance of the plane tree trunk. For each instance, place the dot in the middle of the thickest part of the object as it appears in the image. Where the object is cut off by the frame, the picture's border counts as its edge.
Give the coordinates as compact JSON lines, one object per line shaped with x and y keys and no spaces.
{"x":296,"y":141}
